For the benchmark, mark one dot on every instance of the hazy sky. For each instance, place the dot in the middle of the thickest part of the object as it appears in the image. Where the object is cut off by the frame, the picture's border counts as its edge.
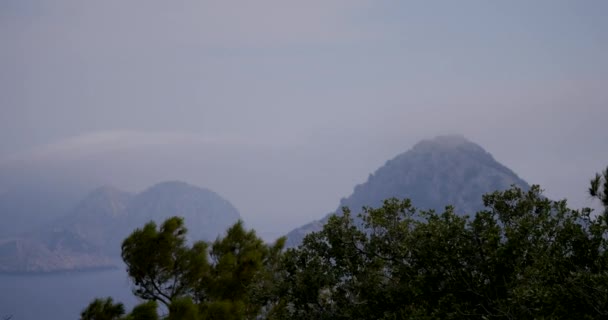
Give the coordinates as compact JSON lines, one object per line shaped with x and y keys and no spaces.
{"x":303,"y":99}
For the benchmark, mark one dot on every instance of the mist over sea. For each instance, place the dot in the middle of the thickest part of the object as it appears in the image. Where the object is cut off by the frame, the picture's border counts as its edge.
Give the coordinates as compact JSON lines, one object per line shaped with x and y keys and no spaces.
{"x":60,"y":296}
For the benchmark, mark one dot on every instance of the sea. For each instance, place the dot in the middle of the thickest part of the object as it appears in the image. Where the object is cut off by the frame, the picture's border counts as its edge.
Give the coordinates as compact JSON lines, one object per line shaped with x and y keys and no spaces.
{"x":61,"y":296}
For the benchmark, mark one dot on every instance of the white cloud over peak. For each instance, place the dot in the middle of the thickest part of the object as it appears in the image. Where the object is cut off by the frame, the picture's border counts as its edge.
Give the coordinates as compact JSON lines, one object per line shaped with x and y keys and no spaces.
{"x":116,"y":141}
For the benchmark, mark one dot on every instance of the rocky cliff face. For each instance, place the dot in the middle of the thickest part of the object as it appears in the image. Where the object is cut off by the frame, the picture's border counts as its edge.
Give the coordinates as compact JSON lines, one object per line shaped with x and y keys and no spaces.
{"x":447,"y":170}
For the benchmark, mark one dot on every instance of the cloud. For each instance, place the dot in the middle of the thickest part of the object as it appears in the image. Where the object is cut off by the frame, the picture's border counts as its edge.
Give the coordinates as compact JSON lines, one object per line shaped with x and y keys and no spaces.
{"x":104,"y":142}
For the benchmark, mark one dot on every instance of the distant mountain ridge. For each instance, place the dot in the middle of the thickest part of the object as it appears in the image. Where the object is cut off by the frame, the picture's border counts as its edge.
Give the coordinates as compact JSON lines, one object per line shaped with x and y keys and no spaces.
{"x":446,"y":170}
{"x":91,"y":234}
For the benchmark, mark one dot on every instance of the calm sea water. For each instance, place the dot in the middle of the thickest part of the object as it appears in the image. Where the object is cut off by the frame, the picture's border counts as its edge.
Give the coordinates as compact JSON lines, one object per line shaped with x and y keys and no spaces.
{"x":60,"y":296}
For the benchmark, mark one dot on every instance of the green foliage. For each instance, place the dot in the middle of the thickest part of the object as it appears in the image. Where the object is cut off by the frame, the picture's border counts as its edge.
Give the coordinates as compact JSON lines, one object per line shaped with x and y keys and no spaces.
{"x":161,"y":264}
{"x":144,"y":311}
{"x":223,"y":310}
{"x":241,"y":274}
{"x":183,"y":309}
{"x":599,"y":189}
{"x":523,"y":257}
{"x":237,"y":258}
{"x":103,"y":309}
{"x":238,"y":283}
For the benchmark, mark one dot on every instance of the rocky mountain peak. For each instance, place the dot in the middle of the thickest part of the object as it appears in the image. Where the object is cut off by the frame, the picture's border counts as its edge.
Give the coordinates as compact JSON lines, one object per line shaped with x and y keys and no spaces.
{"x":446,"y":170}
{"x":448,"y":143}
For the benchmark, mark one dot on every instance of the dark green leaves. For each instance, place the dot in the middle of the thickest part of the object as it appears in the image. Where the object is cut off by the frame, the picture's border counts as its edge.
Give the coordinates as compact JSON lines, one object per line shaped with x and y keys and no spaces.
{"x":525,"y":256}
{"x":238,"y":283}
{"x":103,"y":309}
{"x":599,"y":189}
{"x":161,"y":264}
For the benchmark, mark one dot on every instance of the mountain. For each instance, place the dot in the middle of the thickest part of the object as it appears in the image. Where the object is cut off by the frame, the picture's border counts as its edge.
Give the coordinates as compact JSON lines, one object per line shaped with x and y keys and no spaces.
{"x":90,"y":235}
{"x":206,"y":214}
{"x":100,"y":219}
{"x":31,"y":206}
{"x":24,"y":255}
{"x":446,"y":170}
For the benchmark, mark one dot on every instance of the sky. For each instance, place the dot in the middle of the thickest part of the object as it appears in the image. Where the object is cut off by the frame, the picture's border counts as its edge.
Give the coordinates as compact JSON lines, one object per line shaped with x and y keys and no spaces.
{"x":283,"y":106}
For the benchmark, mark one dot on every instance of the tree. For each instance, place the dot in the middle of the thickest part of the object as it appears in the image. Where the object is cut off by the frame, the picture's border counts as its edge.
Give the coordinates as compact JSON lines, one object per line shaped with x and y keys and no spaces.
{"x":242,"y":270}
{"x":599,"y":189}
{"x":525,"y":256}
{"x":144,"y":311}
{"x":103,"y":309}
{"x":183,"y":309}
{"x":161,"y":264}
{"x":236,"y":284}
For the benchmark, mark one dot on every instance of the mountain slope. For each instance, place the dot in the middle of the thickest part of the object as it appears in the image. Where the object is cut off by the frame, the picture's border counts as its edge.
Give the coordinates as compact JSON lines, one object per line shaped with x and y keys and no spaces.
{"x":206,"y":213}
{"x":24,"y":255}
{"x":90,"y":236}
{"x":446,"y":170}
{"x":32,"y":206}
{"x":99,"y":219}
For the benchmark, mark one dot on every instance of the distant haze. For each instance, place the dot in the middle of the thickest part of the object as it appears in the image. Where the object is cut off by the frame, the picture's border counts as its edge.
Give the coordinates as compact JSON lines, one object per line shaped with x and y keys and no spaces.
{"x":282,"y":108}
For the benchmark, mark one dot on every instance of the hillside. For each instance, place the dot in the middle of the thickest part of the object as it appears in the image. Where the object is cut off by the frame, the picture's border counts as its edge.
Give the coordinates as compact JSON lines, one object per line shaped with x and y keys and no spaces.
{"x":206,"y":213}
{"x":446,"y":170}
{"x":90,"y":235}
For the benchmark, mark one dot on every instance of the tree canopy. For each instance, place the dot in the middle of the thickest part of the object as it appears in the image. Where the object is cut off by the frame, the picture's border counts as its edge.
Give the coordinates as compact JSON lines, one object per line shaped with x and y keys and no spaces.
{"x":523,"y":257}
{"x":161,"y":264}
{"x":230,"y":278}
{"x":599,"y":189}
{"x":103,"y":309}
